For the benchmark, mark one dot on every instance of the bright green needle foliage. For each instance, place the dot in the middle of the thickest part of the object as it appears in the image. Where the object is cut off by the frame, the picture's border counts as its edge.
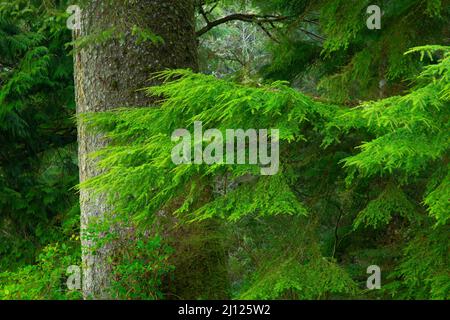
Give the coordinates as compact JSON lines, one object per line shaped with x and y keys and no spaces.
{"x":406,"y":141}
{"x":240,"y":202}
{"x":287,"y":278}
{"x":412,"y":133}
{"x":141,"y":179}
{"x":139,"y":164}
{"x":295,"y":269}
{"x":423,"y":272}
{"x":379,"y":211}
{"x":409,"y":141}
{"x":357,"y":186}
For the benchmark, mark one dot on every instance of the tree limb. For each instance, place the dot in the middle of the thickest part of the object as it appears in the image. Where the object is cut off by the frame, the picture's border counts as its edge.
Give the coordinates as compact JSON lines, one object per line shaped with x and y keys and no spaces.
{"x":259,"y":19}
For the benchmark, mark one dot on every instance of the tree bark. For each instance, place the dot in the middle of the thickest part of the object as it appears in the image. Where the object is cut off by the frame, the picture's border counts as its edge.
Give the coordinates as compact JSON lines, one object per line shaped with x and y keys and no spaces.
{"x":107,"y":75}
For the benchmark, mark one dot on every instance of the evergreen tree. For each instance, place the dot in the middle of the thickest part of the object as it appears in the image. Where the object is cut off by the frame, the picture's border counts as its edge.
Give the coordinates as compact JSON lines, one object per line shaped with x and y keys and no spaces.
{"x":37,"y":135}
{"x":363,"y":117}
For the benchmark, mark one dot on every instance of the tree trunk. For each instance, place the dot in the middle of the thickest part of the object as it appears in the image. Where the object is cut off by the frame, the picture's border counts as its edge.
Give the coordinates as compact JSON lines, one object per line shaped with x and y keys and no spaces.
{"x":107,"y":75}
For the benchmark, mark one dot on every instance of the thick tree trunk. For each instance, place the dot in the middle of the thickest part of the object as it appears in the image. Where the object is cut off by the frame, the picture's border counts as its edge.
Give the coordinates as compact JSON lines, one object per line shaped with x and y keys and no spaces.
{"x":107,"y":76}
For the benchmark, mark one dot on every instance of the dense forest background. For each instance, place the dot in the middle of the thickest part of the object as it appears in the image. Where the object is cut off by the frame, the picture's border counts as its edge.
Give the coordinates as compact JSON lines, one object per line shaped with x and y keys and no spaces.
{"x":364,"y":149}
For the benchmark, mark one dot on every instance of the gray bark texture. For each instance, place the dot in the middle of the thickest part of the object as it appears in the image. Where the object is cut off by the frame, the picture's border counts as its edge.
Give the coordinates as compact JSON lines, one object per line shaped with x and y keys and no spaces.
{"x":107,"y":75}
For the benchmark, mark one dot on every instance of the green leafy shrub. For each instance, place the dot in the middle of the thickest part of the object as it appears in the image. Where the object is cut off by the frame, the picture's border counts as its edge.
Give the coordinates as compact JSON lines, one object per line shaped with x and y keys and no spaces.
{"x":47,"y":278}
